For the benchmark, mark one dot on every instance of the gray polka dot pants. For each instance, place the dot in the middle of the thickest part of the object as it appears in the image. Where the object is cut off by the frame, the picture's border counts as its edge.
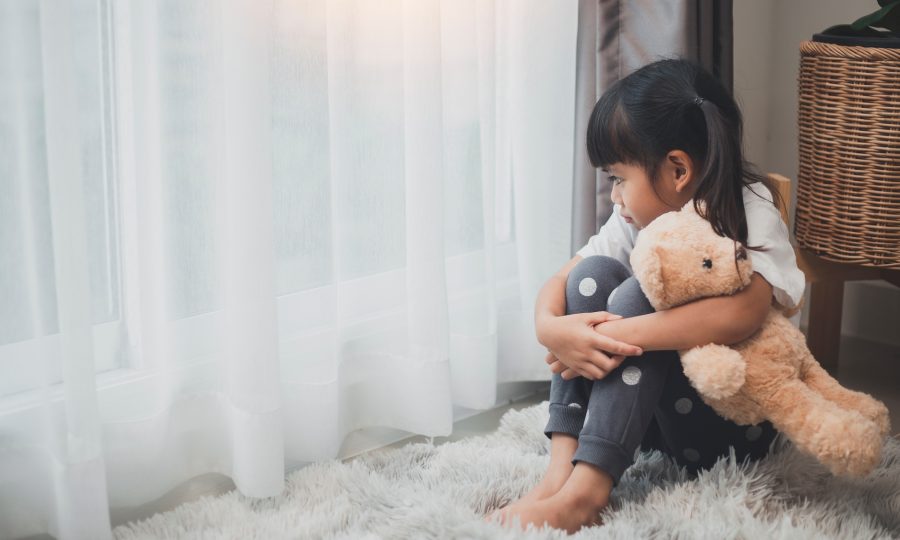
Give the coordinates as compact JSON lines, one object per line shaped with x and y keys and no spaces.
{"x":645,"y":403}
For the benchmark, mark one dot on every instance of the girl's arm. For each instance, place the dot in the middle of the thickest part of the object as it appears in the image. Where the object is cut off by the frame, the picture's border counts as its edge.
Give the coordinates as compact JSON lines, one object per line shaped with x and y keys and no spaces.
{"x":722,"y":319}
{"x":572,"y":338}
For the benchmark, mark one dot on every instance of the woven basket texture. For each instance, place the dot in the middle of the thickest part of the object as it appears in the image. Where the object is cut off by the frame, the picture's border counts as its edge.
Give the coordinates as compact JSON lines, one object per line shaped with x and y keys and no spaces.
{"x":848,"y":188}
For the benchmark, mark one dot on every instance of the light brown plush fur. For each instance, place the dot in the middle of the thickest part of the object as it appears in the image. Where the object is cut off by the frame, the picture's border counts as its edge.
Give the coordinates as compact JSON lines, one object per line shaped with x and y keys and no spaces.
{"x":770,"y":376}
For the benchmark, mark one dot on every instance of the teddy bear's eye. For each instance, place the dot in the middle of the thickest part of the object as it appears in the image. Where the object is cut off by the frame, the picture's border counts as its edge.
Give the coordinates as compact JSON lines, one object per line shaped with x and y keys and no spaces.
{"x":707,"y":263}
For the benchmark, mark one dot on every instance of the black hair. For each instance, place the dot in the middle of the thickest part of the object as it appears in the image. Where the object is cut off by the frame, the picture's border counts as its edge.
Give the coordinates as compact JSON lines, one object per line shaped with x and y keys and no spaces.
{"x":677,"y":104}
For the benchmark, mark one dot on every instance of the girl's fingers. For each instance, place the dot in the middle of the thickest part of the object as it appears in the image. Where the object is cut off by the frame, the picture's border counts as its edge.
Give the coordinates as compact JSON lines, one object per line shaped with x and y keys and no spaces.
{"x":571,"y":373}
{"x":598,"y":317}
{"x":594,"y":368}
{"x":596,"y":372}
{"x":606,"y":362}
{"x":585,"y":371}
{"x":613,"y":346}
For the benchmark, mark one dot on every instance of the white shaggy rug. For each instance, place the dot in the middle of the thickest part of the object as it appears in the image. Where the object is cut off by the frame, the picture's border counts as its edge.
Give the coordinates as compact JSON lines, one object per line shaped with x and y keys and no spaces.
{"x":427,"y":491}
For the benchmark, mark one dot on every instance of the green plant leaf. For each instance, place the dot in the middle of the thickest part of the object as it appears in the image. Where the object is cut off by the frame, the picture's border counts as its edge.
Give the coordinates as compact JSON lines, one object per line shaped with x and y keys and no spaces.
{"x":846,"y":30}
{"x":886,"y":17}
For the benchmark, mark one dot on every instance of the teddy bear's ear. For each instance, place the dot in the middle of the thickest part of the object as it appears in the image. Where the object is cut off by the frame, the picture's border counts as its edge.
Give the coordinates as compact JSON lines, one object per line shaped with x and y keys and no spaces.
{"x":647,"y":266}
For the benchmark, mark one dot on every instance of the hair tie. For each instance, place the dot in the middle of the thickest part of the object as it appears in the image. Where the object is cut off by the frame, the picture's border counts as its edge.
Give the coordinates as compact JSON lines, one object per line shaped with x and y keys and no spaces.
{"x":699,"y":100}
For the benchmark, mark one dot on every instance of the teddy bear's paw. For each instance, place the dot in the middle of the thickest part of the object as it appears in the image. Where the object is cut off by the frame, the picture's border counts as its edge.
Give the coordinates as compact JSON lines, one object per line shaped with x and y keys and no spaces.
{"x":714,"y":370}
{"x":871,"y":408}
{"x":882,"y":420}
{"x":851,"y":449}
{"x":877,"y":412}
{"x":865,"y":404}
{"x":860,"y":462}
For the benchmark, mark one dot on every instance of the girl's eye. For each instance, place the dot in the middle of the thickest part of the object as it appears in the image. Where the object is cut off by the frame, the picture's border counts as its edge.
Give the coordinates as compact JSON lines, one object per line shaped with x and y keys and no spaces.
{"x":615,"y":180}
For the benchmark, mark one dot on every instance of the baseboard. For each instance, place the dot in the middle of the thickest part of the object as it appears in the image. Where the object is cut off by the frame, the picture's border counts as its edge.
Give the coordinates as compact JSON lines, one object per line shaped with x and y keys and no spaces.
{"x":365,"y":440}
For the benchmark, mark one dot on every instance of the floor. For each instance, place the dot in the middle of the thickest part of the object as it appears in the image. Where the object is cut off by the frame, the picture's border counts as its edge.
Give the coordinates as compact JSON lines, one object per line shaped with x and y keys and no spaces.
{"x":864,"y":365}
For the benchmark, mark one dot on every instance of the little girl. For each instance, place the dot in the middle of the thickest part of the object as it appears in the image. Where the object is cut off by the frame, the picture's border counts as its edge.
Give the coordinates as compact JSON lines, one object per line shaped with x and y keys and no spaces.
{"x":666,"y":134}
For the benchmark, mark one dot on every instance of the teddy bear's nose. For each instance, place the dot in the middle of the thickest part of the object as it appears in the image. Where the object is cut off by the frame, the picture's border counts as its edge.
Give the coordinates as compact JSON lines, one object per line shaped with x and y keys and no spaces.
{"x":741,"y":254}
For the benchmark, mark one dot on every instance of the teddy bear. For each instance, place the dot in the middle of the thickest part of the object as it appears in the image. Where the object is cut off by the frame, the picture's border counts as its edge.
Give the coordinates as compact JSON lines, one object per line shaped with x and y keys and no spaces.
{"x":771,"y":375}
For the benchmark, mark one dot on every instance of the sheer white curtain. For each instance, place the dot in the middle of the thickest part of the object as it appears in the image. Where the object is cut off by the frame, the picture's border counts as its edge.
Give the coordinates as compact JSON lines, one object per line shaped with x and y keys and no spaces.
{"x":232,"y":232}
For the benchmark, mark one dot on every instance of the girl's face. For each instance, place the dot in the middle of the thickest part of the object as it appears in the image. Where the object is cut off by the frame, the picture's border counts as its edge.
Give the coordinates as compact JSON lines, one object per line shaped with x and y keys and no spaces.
{"x":633,"y":190}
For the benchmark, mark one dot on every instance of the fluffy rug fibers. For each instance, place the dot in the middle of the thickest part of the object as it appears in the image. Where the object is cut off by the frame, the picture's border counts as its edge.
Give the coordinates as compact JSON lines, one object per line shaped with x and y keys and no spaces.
{"x":427,"y":491}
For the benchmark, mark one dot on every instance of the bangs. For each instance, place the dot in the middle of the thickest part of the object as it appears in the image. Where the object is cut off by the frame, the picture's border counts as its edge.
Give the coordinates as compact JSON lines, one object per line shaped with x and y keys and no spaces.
{"x":610,"y":138}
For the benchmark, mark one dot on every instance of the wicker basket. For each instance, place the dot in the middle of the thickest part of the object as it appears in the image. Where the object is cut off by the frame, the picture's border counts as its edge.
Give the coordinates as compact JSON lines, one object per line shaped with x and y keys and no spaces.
{"x":848,"y":190}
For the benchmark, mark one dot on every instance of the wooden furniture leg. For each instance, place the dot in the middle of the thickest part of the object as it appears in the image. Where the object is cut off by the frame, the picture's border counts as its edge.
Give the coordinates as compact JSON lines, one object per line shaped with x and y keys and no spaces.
{"x":826,"y":281}
{"x":826,"y":302}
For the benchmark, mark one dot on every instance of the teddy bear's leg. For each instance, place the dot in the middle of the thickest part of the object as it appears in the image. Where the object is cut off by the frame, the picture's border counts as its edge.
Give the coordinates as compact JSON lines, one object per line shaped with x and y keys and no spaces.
{"x":587,"y":288}
{"x":812,"y":373}
{"x":842,"y":439}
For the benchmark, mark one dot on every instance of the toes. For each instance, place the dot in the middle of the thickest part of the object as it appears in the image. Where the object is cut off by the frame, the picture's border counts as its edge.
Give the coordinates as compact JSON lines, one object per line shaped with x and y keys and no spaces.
{"x":496,"y":516}
{"x":493,"y":515}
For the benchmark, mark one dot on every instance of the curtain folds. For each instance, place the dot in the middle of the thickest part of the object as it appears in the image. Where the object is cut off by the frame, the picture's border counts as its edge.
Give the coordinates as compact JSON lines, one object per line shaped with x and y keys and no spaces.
{"x":234,"y":232}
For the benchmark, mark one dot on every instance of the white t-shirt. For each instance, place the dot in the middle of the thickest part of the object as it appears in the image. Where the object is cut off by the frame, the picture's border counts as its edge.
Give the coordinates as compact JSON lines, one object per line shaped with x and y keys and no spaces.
{"x":764,"y":228}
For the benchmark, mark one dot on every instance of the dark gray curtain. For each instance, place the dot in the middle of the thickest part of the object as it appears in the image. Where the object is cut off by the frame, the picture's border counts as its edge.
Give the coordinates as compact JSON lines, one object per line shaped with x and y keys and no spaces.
{"x":615,"y":37}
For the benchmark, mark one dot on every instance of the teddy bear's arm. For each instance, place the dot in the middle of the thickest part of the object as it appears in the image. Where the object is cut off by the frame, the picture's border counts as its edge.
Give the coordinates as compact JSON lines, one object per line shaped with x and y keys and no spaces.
{"x":714,"y":370}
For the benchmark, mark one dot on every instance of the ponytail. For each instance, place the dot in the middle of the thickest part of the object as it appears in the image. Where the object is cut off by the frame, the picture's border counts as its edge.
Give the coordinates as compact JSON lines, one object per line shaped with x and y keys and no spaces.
{"x":724,"y":203}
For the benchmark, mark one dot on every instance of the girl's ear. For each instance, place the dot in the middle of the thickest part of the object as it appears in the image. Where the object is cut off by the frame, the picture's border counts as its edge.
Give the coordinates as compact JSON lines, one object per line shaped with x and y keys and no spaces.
{"x":681,"y":167}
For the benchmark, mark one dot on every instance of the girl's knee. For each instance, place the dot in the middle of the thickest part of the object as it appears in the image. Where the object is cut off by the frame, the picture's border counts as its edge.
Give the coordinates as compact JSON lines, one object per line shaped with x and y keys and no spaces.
{"x":628,"y":300}
{"x":590,"y":282}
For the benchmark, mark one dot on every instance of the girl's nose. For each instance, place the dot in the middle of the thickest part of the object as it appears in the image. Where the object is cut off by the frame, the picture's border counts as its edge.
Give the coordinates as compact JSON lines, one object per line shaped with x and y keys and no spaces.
{"x":615,"y":195}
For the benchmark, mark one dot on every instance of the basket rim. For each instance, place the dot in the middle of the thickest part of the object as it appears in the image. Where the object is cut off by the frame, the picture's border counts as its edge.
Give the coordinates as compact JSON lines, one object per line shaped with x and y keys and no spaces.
{"x":884,"y":41}
{"x":816,"y":48}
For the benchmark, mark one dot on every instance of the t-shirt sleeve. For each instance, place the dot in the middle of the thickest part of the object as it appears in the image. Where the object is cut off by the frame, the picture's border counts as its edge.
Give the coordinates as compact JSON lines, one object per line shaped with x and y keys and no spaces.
{"x":614,"y":239}
{"x":778,"y":264}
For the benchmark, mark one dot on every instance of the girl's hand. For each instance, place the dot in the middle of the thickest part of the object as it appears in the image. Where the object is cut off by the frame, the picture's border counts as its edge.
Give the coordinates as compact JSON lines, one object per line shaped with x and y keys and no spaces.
{"x":572,"y":341}
{"x":568,"y":373}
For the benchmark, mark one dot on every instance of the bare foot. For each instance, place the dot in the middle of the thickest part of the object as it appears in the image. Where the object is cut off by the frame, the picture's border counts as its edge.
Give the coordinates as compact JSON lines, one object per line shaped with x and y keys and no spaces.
{"x":577,"y":504}
{"x":559,"y":511}
{"x":562,"y":448}
{"x":553,"y":481}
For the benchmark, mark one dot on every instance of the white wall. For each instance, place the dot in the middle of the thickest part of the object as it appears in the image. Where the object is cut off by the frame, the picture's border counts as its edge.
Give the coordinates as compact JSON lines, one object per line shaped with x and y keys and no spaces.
{"x":767,"y":36}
